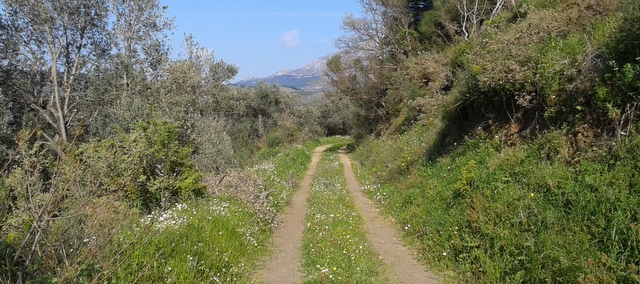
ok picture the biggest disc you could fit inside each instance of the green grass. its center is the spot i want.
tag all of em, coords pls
(201, 241)
(498, 214)
(336, 142)
(212, 240)
(334, 245)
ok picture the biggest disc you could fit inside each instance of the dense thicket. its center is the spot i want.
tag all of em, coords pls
(533, 65)
(98, 122)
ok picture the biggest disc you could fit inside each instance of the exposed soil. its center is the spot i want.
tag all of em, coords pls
(285, 264)
(383, 238)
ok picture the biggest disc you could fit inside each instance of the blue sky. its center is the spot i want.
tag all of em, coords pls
(261, 37)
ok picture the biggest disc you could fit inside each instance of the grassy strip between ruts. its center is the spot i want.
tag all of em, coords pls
(334, 246)
(218, 239)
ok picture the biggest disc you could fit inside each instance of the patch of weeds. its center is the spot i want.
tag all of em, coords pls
(201, 241)
(334, 243)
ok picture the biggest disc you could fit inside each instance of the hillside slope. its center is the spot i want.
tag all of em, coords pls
(511, 155)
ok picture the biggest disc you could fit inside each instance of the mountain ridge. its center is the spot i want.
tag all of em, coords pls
(309, 77)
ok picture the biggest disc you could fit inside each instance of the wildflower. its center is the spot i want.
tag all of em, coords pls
(532, 194)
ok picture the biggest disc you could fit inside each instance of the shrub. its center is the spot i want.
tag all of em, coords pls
(149, 165)
(57, 220)
(213, 147)
(334, 116)
(540, 69)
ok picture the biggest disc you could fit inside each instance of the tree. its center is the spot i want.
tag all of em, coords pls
(375, 46)
(59, 42)
(138, 59)
(10, 113)
(139, 28)
(474, 12)
(381, 31)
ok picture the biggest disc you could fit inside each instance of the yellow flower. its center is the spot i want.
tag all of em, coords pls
(532, 194)
(334, 268)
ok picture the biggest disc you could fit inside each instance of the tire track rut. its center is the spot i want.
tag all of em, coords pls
(285, 264)
(383, 238)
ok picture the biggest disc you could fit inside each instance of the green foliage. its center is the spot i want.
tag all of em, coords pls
(150, 165)
(213, 147)
(7, 125)
(616, 93)
(118, 148)
(277, 138)
(56, 218)
(394, 154)
(435, 29)
(364, 83)
(334, 141)
(335, 116)
(252, 116)
(547, 72)
(221, 238)
(498, 214)
(87, 230)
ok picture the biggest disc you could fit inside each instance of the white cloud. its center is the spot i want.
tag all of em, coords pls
(290, 39)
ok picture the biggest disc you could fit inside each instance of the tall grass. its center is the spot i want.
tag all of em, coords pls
(201, 241)
(502, 214)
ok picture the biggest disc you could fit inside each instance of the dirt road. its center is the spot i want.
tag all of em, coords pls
(285, 264)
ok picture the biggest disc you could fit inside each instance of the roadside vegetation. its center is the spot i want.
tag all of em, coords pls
(104, 139)
(220, 238)
(497, 213)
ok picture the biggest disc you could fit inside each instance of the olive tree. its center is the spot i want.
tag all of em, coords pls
(59, 43)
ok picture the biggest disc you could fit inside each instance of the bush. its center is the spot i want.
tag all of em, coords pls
(541, 70)
(213, 147)
(57, 219)
(150, 165)
(334, 116)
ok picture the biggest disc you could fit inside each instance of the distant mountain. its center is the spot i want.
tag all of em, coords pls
(309, 77)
